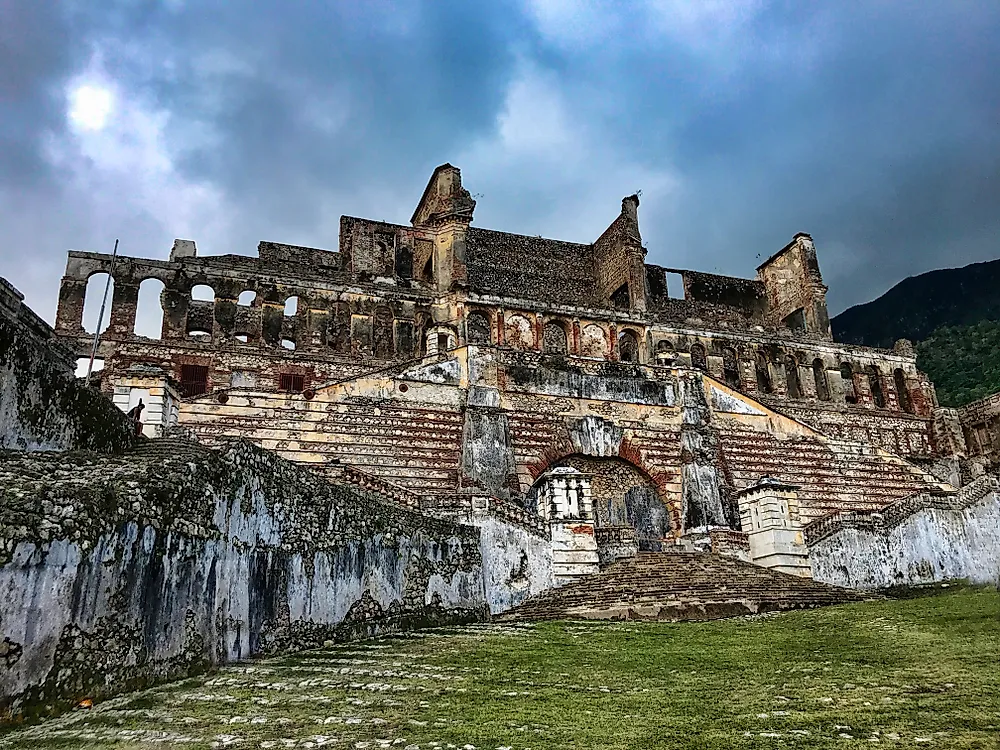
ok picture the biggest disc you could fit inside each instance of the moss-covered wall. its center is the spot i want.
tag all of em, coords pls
(119, 571)
(42, 405)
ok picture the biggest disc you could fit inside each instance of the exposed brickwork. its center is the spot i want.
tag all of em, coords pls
(565, 332)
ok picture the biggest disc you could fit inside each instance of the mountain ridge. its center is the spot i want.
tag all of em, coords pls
(917, 305)
(952, 315)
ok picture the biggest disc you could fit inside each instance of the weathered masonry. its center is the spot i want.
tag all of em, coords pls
(436, 423)
(461, 367)
(295, 318)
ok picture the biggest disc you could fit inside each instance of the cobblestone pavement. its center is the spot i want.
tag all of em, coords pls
(912, 673)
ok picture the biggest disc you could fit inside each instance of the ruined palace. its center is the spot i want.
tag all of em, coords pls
(453, 361)
(435, 421)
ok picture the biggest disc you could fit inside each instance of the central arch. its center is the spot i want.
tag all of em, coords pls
(623, 497)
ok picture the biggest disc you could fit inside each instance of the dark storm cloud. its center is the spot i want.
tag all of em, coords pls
(36, 50)
(875, 131)
(874, 128)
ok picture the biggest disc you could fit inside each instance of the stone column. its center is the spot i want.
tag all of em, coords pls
(565, 499)
(769, 514)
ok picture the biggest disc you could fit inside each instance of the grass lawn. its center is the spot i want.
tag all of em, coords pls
(921, 672)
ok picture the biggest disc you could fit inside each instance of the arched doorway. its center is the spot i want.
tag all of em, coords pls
(622, 497)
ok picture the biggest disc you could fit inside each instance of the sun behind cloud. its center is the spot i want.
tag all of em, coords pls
(90, 106)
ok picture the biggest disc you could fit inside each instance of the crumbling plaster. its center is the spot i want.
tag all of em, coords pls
(117, 572)
(921, 539)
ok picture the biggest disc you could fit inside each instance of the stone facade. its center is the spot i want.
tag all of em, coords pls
(436, 422)
(295, 318)
(454, 363)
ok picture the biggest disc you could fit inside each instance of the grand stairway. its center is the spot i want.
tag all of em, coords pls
(679, 586)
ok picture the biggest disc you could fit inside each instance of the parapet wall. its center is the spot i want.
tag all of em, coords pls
(919, 539)
(120, 571)
(42, 405)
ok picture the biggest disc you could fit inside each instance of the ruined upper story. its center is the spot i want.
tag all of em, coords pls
(392, 292)
(441, 253)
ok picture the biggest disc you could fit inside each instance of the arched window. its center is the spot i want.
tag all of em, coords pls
(149, 309)
(628, 347)
(664, 352)
(902, 391)
(620, 298)
(246, 298)
(875, 385)
(731, 367)
(477, 326)
(792, 377)
(554, 338)
(763, 371)
(203, 293)
(699, 360)
(847, 377)
(96, 286)
(819, 375)
(291, 306)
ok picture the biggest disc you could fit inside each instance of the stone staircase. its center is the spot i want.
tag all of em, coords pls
(679, 586)
(170, 450)
(832, 475)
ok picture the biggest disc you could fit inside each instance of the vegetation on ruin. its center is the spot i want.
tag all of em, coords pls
(963, 362)
(905, 673)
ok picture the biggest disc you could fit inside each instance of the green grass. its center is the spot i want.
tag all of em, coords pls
(919, 672)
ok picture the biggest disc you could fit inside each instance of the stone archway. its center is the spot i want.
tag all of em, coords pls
(623, 498)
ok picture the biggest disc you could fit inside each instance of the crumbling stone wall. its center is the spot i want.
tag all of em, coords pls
(392, 293)
(119, 571)
(795, 290)
(980, 423)
(920, 539)
(42, 405)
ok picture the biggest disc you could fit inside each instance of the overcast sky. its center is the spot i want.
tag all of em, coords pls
(873, 126)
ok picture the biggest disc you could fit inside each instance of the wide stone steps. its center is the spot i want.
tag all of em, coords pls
(833, 475)
(679, 586)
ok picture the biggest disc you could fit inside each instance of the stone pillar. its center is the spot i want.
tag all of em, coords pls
(124, 301)
(769, 514)
(69, 314)
(564, 497)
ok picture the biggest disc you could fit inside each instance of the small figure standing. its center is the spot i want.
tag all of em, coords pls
(135, 414)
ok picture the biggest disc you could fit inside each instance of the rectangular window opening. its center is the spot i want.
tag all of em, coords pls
(290, 383)
(675, 285)
(194, 380)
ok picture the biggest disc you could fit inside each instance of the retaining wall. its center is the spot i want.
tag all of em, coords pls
(42, 405)
(120, 571)
(920, 539)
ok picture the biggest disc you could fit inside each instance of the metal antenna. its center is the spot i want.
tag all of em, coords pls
(100, 317)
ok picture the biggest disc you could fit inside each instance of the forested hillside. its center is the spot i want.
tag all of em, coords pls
(953, 318)
(962, 361)
(919, 305)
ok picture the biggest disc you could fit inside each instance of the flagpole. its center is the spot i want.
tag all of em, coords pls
(100, 317)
